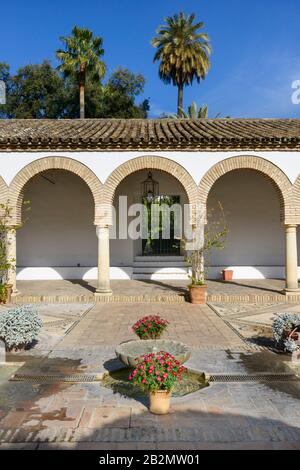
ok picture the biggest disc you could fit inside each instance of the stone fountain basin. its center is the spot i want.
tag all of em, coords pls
(130, 351)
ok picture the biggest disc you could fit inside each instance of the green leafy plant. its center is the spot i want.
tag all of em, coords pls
(215, 236)
(157, 372)
(195, 112)
(283, 326)
(20, 326)
(150, 327)
(3, 293)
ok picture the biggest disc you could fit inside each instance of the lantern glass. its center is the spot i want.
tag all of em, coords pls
(150, 188)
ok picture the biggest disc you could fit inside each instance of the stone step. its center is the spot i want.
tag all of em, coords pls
(146, 259)
(159, 264)
(160, 270)
(161, 277)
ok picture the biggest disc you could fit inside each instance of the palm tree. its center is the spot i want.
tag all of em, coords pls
(183, 52)
(81, 55)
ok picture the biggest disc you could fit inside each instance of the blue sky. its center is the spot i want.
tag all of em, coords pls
(256, 47)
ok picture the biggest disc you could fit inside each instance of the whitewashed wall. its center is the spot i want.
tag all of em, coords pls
(103, 163)
(59, 234)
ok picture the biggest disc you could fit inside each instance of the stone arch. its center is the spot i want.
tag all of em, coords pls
(145, 163)
(271, 172)
(16, 188)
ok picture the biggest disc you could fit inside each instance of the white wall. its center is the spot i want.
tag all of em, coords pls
(104, 163)
(59, 230)
(256, 236)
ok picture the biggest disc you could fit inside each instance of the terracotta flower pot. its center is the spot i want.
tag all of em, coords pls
(159, 402)
(198, 294)
(227, 275)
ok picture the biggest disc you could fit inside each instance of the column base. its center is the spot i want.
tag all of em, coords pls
(290, 292)
(103, 293)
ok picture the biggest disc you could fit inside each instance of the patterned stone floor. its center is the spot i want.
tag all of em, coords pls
(80, 339)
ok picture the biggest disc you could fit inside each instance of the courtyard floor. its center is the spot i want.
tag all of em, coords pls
(155, 291)
(253, 402)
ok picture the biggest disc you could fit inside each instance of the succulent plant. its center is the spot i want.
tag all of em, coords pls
(282, 324)
(20, 326)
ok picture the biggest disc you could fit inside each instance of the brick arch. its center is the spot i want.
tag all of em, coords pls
(16, 188)
(271, 172)
(147, 163)
(3, 191)
(296, 199)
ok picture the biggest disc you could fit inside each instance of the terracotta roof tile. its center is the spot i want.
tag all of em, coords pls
(135, 134)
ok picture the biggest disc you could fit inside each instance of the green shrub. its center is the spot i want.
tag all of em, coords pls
(20, 326)
(3, 293)
(282, 325)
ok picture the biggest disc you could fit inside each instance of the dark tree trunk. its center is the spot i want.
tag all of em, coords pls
(180, 101)
(81, 91)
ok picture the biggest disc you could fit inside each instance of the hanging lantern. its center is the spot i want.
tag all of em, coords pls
(150, 188)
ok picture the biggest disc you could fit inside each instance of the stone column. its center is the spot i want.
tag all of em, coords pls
(291, 265)
(11, 247)
(103, 287)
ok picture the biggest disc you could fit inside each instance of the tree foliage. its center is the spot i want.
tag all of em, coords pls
(81, 57)
(35, 91)
(183, 52)
(40, 91)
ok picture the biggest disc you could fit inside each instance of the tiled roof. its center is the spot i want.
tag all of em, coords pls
(135, 134)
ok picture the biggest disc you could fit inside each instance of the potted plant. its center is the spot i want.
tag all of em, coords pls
(19, 327)
(150, 327)
(286, 329)
(157, 374)
(214, 237)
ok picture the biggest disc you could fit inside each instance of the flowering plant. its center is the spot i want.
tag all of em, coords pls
(150, 327)
(158, 371)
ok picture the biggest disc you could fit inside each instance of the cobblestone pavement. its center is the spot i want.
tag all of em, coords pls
(258, 414)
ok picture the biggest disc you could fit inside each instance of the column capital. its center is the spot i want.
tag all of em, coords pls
(290, 227)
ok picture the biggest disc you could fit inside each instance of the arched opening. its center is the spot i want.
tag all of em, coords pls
(58, 238)
(255, 247)
(162, 257)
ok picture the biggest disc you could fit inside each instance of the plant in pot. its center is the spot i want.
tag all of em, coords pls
(214, 237)
(150, 327)
(286, 331)
(19, 327)
(157, 374)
